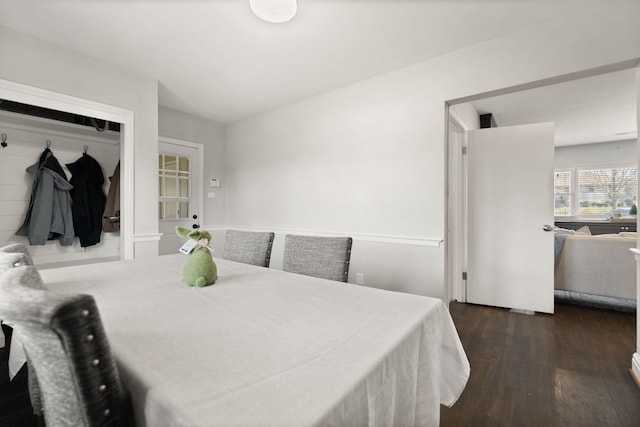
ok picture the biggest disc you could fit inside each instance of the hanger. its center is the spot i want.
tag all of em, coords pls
(4, 140)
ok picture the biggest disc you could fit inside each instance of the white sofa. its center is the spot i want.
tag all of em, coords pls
(598, 265)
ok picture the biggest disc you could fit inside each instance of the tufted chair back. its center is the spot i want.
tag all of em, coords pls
(248, 247)
(66, 346)
(16, 255)
(318, 256)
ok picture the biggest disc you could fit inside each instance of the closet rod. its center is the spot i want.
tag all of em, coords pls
(62, 130)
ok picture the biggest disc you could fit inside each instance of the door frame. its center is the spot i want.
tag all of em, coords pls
(455, 188)
(456, 216)
(199, 149)
(61, 102)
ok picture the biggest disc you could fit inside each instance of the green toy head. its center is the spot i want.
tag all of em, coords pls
(196, 234)
(200, 269)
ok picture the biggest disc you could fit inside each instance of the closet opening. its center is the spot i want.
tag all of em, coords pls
(80, 145)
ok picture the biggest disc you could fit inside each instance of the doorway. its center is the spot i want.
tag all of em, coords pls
(56, 101)
(456, 264)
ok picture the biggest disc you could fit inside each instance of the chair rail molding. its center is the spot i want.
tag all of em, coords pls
(147, 237)
(434, 242)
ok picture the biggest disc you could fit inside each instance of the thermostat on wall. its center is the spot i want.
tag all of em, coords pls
(214, 182)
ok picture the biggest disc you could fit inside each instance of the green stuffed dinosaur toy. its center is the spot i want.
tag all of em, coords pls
(200, 269)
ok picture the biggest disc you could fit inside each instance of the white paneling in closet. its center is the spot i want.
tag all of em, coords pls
(27, 137)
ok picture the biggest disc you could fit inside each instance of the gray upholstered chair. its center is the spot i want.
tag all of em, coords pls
(325, 257)
(11, 256)
(66, 347)
(248, 247)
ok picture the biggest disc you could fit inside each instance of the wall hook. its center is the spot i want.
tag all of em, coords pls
(48, 143)
(86, 148)
(4, 140)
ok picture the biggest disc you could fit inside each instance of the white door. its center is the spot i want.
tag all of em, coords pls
(179, 193)
(509, 205)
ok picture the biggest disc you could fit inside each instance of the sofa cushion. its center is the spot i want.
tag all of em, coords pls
(584, 230)
(598, 265)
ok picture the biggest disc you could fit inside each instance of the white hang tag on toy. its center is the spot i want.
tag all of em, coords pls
(188, 246)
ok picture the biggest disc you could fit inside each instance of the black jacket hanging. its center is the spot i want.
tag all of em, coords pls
(88, 199)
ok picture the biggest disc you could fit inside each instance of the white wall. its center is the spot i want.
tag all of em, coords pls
(368, 159)
(46, 66)
(588, 155)
(466, 115)
(365, 160)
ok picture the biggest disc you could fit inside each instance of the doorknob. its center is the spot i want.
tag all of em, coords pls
(547, 227)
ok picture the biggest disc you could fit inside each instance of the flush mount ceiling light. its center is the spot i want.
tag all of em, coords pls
(274, 11)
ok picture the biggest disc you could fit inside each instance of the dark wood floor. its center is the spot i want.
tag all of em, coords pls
(566, 369)
(569, 369)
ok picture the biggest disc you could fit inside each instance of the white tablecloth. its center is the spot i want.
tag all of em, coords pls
(263, 347)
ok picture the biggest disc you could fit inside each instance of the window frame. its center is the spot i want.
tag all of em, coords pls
(162, 185)
(575, 193)
(572, 192)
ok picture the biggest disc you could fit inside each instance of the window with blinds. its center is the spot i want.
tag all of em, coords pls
(602, 191)
(595, 192)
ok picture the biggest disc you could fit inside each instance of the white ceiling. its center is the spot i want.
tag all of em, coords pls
(215, 59)
(588, 110)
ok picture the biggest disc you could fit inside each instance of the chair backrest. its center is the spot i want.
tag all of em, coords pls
(248, 247)
(318, 256)
(12, 256)
(66, 346)
(15, 255)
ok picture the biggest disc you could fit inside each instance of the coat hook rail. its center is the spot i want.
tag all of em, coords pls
(4, 140)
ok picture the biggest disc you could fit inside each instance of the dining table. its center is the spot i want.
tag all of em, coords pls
(264, 347)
